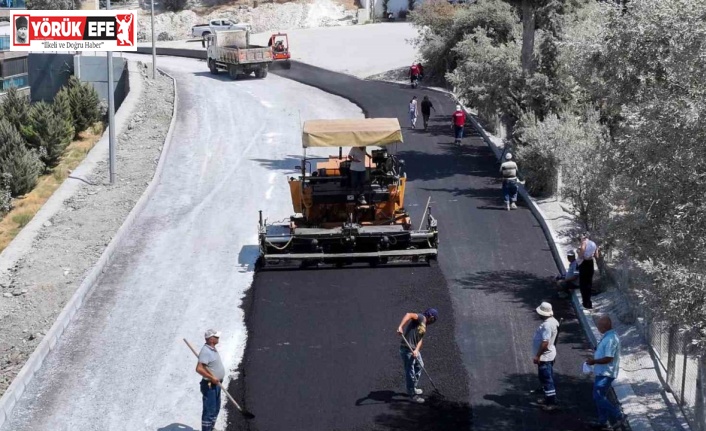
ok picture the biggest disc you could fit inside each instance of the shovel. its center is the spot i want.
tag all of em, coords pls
(246, 414)
(436, 390)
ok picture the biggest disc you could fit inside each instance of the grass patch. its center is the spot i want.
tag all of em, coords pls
(27, 206)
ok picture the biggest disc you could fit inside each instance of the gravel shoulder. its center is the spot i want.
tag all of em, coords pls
(69, 245)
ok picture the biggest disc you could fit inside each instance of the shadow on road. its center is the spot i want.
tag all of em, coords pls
(513, 410)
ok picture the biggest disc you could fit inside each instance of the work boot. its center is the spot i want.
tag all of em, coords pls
(418, 391)
(507, 204)
(417, 399)
(362, 201)
(513, 206)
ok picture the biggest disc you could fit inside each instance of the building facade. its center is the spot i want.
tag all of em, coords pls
(14, 69)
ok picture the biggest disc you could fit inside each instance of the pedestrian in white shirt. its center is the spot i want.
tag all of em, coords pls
(413, 111)
(588, 252)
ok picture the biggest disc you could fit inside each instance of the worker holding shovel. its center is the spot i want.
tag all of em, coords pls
(412, 329)
(211, 369)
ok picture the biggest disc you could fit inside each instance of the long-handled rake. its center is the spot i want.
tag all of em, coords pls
(246, 414)
(436, 390)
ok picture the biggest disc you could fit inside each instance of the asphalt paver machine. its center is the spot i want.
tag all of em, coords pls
(330, 225)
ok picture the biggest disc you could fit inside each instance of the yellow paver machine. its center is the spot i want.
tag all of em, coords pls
(337, 223)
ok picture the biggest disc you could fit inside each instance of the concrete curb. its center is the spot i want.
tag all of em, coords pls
(50, 340)
(623, 391)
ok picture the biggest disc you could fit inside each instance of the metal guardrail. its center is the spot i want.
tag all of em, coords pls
(674, 350)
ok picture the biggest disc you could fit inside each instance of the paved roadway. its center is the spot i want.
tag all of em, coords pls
(121, 365)
(322, 352)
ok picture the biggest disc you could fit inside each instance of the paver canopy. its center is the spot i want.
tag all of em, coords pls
(351, 132)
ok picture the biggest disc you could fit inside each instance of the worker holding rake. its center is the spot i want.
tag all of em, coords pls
(211, 369)
(412, 329)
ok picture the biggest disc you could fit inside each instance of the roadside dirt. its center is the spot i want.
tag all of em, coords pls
(70, 244)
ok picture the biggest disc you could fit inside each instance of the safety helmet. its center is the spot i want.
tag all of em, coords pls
(508, 156)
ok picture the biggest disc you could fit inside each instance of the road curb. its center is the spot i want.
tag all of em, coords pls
(50, 340)
(623, 391)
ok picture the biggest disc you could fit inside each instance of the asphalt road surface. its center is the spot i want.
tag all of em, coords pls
(121, 365)
(322, 353)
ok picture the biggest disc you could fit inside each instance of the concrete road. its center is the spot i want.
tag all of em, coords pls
(122, 364)
(322, 352)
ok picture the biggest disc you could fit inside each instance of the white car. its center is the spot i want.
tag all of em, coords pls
(203, 30)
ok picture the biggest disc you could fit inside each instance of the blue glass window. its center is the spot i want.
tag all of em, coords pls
(14, 4)
(4, 43)
(16, 81)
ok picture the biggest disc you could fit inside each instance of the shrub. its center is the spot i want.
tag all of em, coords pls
(15, 109)
(84, 104)
(385, 5)
(410, 6)
(174, 5)
(402, 14)
(22, 164)
(5, 194)
(62, 105)
(50, 133)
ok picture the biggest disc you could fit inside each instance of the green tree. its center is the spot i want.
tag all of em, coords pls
(50, 133)
(85, 103)
(15, 109)
(21, 164)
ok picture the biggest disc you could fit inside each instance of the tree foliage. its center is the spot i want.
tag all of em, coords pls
(84, 103)
(15, 109)
(21, 165)
(49, 133)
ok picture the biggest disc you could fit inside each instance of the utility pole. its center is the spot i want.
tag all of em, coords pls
(111, 114)
(154, 48)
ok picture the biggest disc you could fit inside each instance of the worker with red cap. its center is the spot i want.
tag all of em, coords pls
(412, 328)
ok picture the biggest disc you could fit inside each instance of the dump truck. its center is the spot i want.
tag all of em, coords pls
(330, 225)
(231, 51)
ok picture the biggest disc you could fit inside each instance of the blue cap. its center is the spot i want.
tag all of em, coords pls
(431, 312)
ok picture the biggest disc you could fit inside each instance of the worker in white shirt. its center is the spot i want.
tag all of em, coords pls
(357, 157)
(587, 253)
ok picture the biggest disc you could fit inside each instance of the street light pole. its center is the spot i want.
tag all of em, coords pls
(154, 48)
(111, 114)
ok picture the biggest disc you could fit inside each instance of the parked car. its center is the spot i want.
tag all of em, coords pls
(203, 30)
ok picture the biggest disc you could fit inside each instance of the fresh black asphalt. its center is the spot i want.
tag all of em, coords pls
(322, 353)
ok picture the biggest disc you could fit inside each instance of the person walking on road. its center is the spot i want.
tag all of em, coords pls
(412, 328)
(413, 111)
(565, 283)
(414, 75)
(210, 367)
(606, 365)
(544, 351)
(509, 172)
(587, 253)
(427, 106)
(458, 121)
